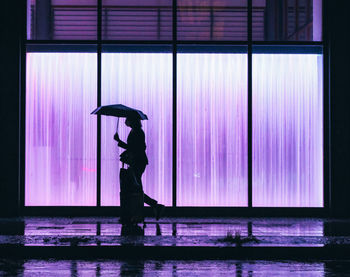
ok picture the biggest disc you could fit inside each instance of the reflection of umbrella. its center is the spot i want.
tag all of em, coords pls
(119, 110)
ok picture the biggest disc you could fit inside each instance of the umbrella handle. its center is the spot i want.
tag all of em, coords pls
(117, 124)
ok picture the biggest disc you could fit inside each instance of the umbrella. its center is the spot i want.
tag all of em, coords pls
(119, 110)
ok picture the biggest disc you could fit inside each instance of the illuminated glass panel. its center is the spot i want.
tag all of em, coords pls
(142, 81)
(212, 130)
(287, 130)
(60, 132)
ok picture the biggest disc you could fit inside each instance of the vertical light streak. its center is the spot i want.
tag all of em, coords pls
(212, 130)
(142, 81)
(60, 132)
(287, 130)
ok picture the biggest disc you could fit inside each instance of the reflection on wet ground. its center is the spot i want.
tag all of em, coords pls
(46, 231)
(172, 268)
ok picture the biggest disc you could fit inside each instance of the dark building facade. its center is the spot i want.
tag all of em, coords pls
(336, 132)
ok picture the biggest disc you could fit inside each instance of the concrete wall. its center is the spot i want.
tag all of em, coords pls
(340, 101)
(10, 31)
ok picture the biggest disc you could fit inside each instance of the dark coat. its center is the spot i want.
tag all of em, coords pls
(136, 147)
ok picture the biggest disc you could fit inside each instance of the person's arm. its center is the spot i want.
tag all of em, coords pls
(121, 143)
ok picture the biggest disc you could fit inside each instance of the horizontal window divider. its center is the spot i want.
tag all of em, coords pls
(138, 42)
(213, 49)
(137, 48)
(178, 211)
(305, 43)
(185, 8)
(288, 49)
(214, 42)
(184, 47)
(65, 41)
(49, 48)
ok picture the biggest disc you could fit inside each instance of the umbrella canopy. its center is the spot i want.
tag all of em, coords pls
(119, 110)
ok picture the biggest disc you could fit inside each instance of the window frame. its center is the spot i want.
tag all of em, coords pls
(36, 45)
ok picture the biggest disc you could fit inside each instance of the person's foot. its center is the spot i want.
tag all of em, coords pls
(158, 210)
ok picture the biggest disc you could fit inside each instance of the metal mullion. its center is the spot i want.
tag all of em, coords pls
(326, 111)
(250, 152)
(174, 149)
(99, 71)
(22, 111)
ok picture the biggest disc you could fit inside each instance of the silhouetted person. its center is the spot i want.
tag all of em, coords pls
(136, 149)
(131, 230)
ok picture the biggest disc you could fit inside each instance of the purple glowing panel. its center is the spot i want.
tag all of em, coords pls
(142, 81)
(212, 130)
(60, 132)
(287, 130)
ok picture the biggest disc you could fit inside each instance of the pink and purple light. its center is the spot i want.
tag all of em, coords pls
(211, 123)
(212, 140)
(142, 81)
(60, 132)
(287, 130)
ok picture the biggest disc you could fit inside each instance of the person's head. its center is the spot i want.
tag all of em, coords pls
(133, 122)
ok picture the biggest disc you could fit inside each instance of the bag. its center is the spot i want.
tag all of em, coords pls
(128, 182)
(126, 157)
(131, 197)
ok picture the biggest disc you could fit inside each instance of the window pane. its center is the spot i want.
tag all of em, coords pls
(212, 130)
(137, 20)
(214, 20)
(287, 20)
(60, 132)
(287, 130)
(62, 19)
(142, 81)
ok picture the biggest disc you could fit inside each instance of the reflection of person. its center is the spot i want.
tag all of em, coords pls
(136, 148)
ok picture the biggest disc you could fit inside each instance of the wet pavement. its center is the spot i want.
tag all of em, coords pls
(176, 237)
(154, 268)
(47, 231)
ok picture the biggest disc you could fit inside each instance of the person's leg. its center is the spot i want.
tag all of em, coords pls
(139, 169)
(149, 201)
(158, 208)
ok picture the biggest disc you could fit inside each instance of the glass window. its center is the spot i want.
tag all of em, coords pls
(142, 81)
(212, 167)
(137, 19)
(62, 19)
(287, 130)
(212, 20)
(60, 132)
(211, 100)
(287, 20)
